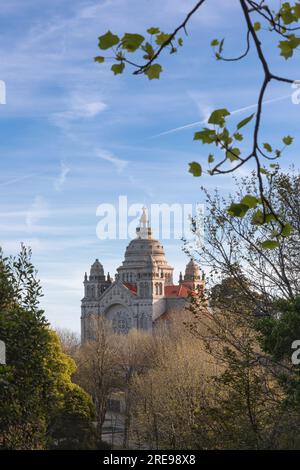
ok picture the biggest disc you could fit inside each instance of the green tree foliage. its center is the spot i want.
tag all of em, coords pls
(35, 382)
(251, 408)
(72, 426)
(278, 333)
(233, 246)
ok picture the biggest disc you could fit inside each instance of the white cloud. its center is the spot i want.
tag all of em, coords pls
(46, 246)
(37, 211)
(119, 164)
(79, 108)
(60, 180)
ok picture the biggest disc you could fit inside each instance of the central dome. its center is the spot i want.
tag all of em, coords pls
(140, 250)
(144, 256)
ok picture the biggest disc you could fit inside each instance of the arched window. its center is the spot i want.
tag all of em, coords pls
(146, 289)
(142, 289)
(160, 288)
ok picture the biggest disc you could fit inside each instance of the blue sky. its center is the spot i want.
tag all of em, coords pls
(72, 136)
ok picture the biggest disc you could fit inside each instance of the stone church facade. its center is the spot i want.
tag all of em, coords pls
(142, 294)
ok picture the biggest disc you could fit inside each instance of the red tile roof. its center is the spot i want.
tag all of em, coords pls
(131, 287)
(170, 291)
(177, 291)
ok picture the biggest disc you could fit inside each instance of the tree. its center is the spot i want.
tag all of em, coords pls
(249, 410)
(253, 320)
(137, 353)
(283, 25)
(98, 368)
(37, 376)
(70, 341)
(72, 426)
(167, 396)
(278, 334)
(235, 247)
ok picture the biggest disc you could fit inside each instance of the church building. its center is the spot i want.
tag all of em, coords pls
(143, 292)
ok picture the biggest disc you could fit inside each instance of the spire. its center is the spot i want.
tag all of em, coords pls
(192, 275)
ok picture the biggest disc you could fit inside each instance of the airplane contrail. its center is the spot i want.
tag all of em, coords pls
(204, 121)
(16, 180)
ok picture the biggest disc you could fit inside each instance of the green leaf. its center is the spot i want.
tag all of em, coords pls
(195, 169)
(238, 136)
(257, 26)
(180, 41)
(287, 47)
(267, 147)
(270, 218)
(245, 121)
(153, 71)
(288, 140)
(250, 201)
(149, 51)
(214, 42)
(297, 11)
(207, 136)
(153, 30)
(225, 137)
(211, 158)
(237, 210)
(162, 38)
(287, 230)
(99, 59)
(118, 68)
(269, 244)
(287, 14)
(257, 218)
(131, 42)
(108, 40)
(218, 116)
(286, 50)
(263, 171)
(274, 165)
(233, 154)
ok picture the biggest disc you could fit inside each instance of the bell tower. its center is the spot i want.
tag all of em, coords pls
(192, 278)
(94, 286)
